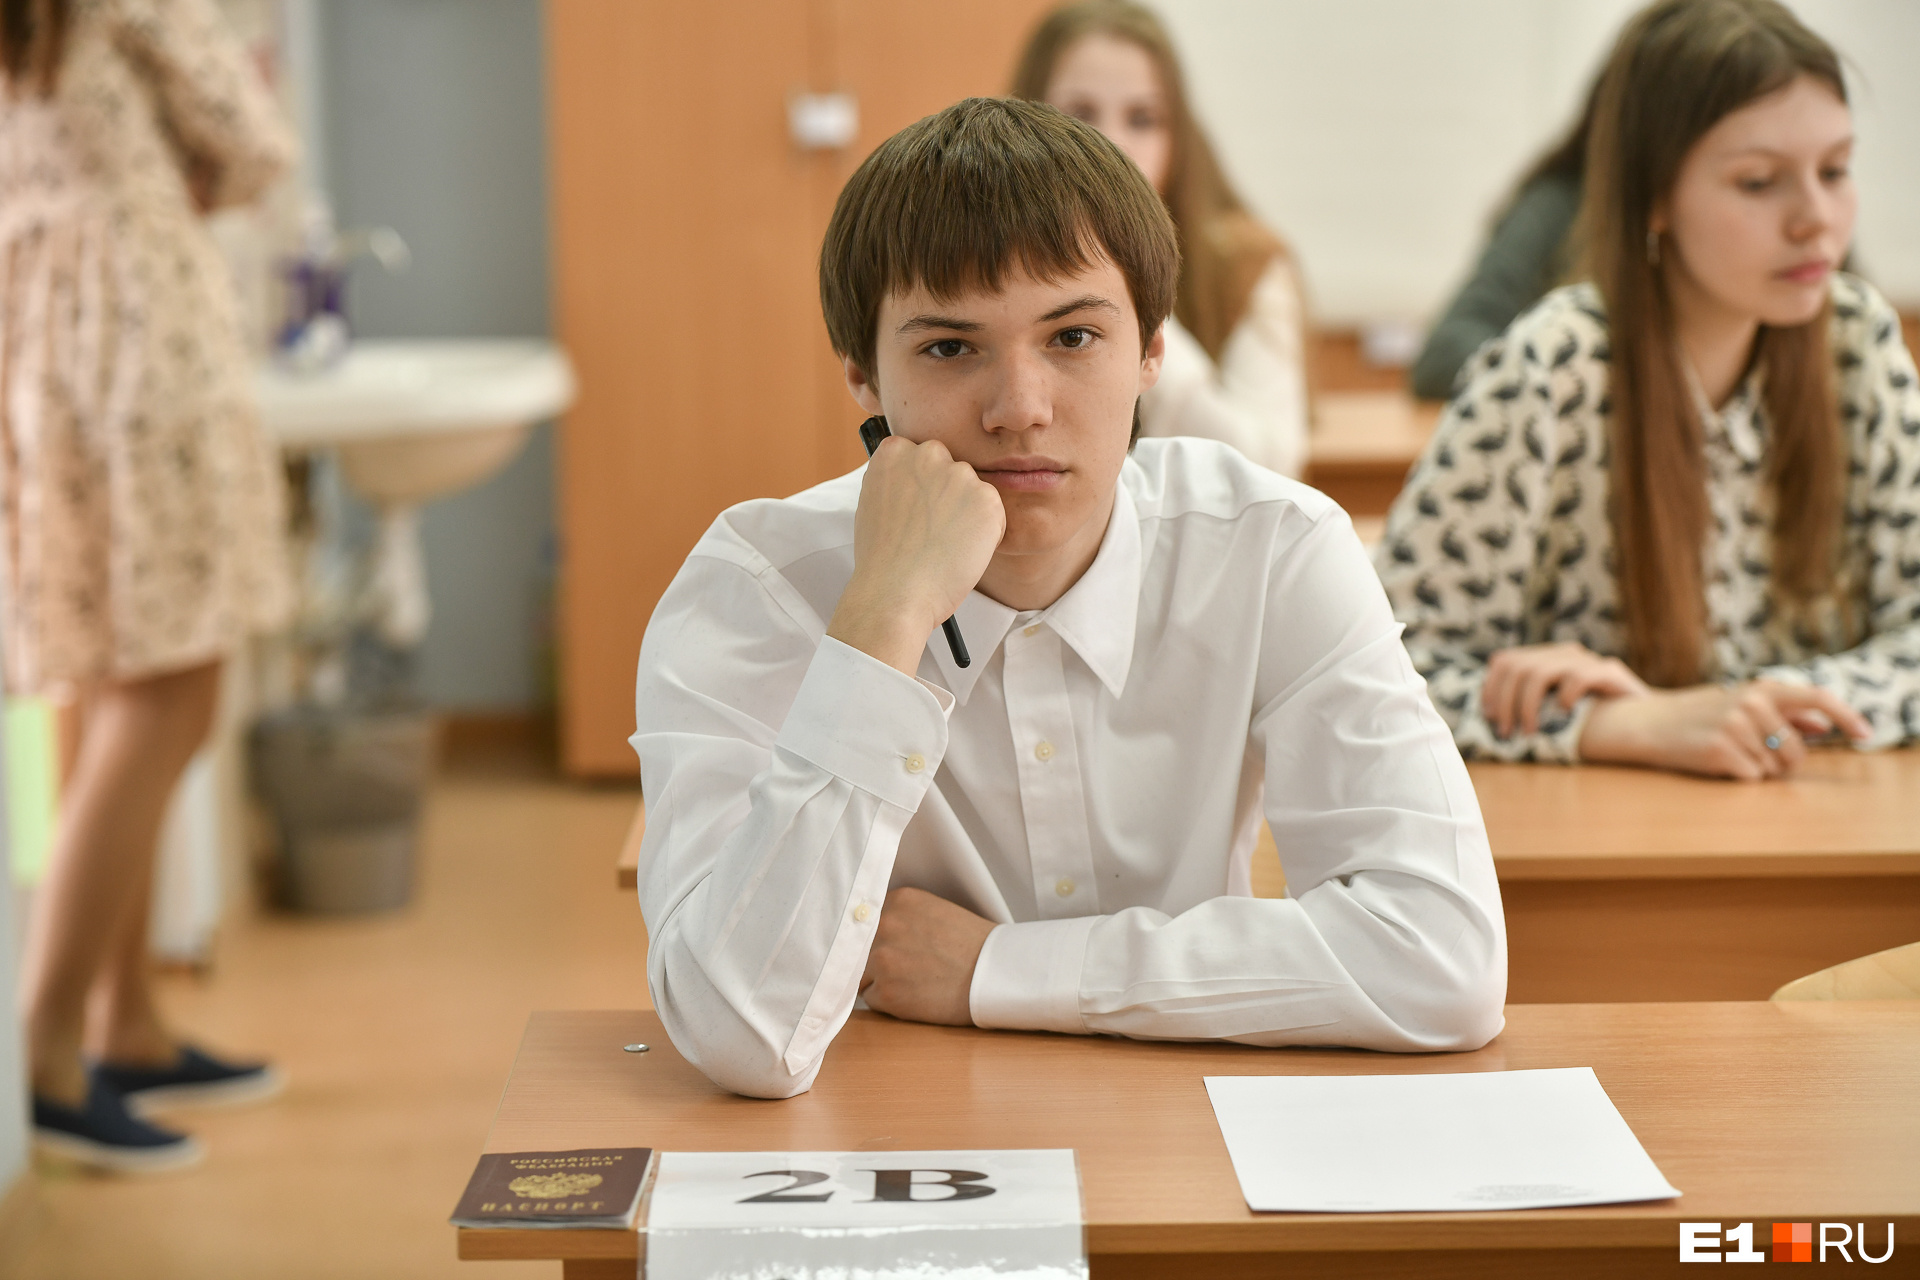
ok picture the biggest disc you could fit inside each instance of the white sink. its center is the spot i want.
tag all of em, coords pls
(415, 420)
(412, 421)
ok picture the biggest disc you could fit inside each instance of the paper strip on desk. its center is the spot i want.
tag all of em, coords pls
(866, 1215)
(1430, 1143)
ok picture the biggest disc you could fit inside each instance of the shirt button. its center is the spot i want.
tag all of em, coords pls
(1043, 752)
(1033, 630)
(916, 762)
(861, 912)
(1064, 887)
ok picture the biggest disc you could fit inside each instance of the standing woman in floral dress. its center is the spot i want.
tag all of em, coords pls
(142, 511)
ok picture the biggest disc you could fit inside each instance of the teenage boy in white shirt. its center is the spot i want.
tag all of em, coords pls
(1165, 639)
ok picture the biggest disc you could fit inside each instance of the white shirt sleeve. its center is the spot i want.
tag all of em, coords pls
(774, 814)
(1255, 399)
(1391, 936)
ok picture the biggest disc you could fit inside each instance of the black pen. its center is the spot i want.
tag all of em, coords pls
(872, 432)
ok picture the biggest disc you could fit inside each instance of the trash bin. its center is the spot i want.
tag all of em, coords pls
(344, 786)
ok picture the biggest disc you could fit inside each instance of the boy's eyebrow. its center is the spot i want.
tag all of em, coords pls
(940, 322)
(1087, 302)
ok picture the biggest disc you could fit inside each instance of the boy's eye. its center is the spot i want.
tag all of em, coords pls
(1754, 185)
(1076, 339)
(948, 348)
(1834, 173)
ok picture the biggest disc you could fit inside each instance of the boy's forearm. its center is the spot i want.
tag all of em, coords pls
(761, 920)
(882, 628)
(1271, 972)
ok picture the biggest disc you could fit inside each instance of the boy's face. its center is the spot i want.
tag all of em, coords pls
(1033, 385)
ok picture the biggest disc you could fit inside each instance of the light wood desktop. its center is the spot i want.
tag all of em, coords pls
(1736, 1103)
(1627, 884)
(1363, 444)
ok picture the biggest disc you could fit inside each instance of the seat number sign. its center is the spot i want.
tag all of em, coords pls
(829, 1215)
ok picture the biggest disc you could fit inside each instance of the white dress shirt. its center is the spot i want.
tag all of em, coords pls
(1094, 782)
(1255, 398)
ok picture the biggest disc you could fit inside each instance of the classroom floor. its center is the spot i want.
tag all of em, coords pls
(396, 1033)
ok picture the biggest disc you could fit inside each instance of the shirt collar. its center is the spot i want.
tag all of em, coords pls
(1096, 616)
(1737, 421)
(1740, 418)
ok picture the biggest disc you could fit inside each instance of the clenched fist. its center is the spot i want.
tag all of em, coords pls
(926, 529)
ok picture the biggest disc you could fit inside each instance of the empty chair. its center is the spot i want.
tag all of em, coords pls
(1893, 974)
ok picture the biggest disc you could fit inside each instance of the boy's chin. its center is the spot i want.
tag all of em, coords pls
(1035, 534)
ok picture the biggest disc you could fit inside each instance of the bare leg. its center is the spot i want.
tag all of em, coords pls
(92, 907)
(123, 1024)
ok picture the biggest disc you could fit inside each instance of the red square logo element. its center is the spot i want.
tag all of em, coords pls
(1793, 1242)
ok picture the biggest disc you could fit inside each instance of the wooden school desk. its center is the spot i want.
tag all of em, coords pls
(1363, 443)
(1755, 1111)
(626, 871)
(1626, 884)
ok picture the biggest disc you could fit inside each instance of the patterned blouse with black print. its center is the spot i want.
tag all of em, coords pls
(1501, 536)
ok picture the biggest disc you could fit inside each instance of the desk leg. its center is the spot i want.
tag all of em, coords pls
(598, 1269)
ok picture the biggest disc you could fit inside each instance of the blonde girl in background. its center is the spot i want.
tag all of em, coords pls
(1672, 517)
(1236, 364)
(141, 504)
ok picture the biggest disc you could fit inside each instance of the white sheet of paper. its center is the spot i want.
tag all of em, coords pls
(877, 1215)
(1430, 1143)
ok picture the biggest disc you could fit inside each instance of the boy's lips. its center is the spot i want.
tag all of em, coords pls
(1023, 475)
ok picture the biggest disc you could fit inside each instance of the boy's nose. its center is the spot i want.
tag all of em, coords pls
(1021, 401)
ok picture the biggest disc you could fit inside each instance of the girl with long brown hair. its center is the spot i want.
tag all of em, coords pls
(1673, 516)
(139, 502)
(1236, 344)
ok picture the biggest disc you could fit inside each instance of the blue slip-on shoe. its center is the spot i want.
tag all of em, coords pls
(103, 1134)
(194, 1079)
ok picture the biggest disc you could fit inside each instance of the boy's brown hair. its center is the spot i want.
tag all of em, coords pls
(954, 201)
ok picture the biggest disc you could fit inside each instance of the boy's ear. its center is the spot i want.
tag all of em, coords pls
(1151, 360)
(865, 391)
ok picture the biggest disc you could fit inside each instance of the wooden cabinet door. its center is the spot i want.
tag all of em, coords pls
(687, 227)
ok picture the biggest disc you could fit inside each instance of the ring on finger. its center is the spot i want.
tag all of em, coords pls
(1773, 742)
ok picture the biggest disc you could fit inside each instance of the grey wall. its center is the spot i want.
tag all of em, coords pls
(435, 124)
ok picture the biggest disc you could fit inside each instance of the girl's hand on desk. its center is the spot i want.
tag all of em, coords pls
(921, 965)
(1519, 680)
(1721, 732)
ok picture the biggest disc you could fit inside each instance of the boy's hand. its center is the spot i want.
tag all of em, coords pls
(925, 532)
(921, 965)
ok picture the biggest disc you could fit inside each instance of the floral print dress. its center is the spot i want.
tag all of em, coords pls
(142, 502)
(1502, 538)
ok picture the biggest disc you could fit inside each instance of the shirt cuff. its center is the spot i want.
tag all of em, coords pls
(1567, 737)
(1028, 976)
(867, 724)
